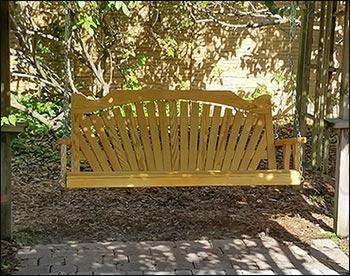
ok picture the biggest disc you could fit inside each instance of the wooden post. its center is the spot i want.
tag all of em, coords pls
(316, 128)
(341, 222)
(341, 212)
(5, 110)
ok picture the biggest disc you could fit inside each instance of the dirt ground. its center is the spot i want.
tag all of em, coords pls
(44, 212)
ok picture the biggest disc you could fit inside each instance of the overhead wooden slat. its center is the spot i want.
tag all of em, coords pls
(260, 153)
(96, 121)
(220, 152)
(242, 141)
(88, 153)
(203, 137)
(157, 151)
(145, 136)
(164, 135)
(118, 148)
(231, 144)
(135, 138)
(184, 135)
(194, 127)
(85, 124)
(174, 136)
(253, 141)
(129, 151)
(213, 136)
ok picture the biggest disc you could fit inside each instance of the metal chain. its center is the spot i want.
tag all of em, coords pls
(65, 105)
(66, 127)
(293, 82)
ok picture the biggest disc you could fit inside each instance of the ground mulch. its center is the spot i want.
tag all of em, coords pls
(44, 212)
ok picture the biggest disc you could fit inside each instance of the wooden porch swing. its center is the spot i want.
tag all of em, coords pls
(164, 138)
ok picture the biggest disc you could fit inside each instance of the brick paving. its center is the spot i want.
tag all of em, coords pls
(264, 256)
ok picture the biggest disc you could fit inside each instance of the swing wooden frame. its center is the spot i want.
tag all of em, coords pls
(164, 138)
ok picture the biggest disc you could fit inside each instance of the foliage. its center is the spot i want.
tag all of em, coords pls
(9, 120)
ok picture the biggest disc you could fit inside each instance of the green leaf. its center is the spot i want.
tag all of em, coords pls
(132, 4)
(12, 119)
(125, 10)
(94, 4)
(118, 4)
(4, 120)
(81, 4)
(91, 31)
(86, 25)
(203, 4)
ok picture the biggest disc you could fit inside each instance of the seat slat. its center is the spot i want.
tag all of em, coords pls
(203, 137)
(184, 135)
(135, 138)
(112, 132)
(242, 141)
(145, 137)
(254, 139)
(174, 136)
(85, 124)
(231, 144)
(183, 179)
(157, 151)
(110, 152)
(194, 124)
(213, 137)
(164, 135)
(260, 153)
(129, 151)
(220, 152)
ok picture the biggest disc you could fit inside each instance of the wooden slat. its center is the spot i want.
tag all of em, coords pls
(164, 135)
(260, 153)
(290, 141)
(129, 151)
(296, 161)
(231, 144)
(145, 137)
(286, 156)
(253, 141)
(157, 151)
(118, 148)
(213, 138)
(203, 137)
(184, 135)
(246, 128)
(75, 162)
(96, 121)
(101, 157)
(174, 136)
(135, 138)
(270, 143)
(173, 179)
(81, 104)
(89, 155)
(193, 150)
(220, 152)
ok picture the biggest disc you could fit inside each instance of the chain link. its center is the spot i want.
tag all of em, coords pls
(66, 126)
(65, 105)
(293, 82)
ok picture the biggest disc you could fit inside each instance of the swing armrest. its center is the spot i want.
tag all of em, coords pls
(290, 141)
(291, 149)
(65, 141)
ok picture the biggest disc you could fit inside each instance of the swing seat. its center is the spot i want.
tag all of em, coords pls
(163, 138)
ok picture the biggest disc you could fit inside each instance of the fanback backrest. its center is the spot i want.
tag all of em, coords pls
(153, 130)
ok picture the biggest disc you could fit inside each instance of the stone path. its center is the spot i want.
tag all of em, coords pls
(264, 256)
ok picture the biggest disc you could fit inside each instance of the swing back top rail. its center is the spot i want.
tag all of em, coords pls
(158, 138)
